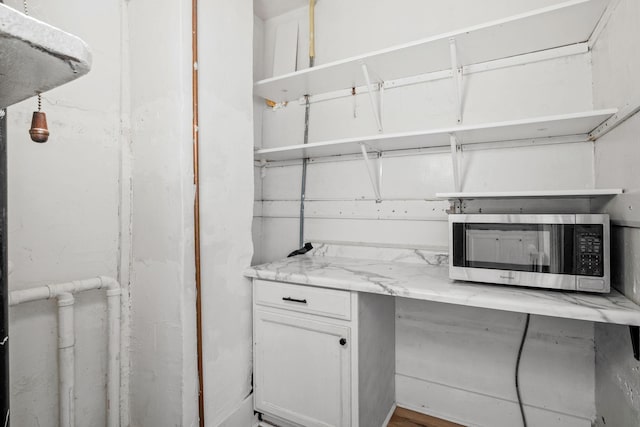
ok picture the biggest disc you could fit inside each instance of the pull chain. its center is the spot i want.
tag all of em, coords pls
(39, 131)
(26, 12)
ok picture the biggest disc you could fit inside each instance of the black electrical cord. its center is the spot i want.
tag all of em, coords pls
(303, 250)
(524, 337)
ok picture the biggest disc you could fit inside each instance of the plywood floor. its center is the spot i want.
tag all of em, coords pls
(406, 418)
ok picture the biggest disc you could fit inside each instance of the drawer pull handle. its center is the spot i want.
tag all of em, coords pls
(343, 341)
(301, 301)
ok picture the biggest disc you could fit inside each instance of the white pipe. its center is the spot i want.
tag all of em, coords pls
(28, 295)
(113, 370)
(66, 339)
(51, 291)
(66, 360)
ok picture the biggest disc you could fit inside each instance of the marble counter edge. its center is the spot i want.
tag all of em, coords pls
(612, 308)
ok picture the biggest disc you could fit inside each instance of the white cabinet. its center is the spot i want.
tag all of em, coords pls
(322, 357)
(302, 369)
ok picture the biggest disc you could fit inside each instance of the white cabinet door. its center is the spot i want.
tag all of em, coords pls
(302, 369)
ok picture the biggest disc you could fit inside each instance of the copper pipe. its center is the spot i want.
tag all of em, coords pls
(196, 204)
(312, 23)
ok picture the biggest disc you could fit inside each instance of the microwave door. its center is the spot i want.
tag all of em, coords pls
(533, 248)
(506, 247)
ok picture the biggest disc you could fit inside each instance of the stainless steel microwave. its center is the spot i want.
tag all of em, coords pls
(568, 252)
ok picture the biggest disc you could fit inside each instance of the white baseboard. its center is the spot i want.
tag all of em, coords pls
(384, 424)
(242, 416)
(389, 415)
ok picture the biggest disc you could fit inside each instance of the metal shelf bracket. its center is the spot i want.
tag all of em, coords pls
(263, 168)
(381, 104)
(456, 75)
(635, 341)
(614, 121)
(376, 179)
(455, 160)
(377, 108)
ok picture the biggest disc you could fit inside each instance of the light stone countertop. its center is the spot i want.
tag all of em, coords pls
(423, 275)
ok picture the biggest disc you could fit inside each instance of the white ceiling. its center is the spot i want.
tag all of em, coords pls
(266, 9)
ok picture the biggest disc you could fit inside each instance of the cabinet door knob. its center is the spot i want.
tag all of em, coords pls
(343, 341)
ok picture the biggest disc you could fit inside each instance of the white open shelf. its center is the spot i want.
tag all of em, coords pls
(555, 26)
(36, 57)
(540, 127)
(602, 192)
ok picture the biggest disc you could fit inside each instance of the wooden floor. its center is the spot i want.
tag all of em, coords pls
(406, 418)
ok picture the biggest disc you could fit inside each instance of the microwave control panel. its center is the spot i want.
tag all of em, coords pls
(589, 250)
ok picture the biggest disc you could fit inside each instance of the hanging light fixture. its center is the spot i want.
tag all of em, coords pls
(39, 131)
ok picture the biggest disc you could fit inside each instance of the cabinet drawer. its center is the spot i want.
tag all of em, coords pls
(305, 299)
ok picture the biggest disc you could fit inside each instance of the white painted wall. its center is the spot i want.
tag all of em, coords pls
(63, 216)
(119, 160)
(163, 366)
(340, 206)
(615, 65)
(71, 202)
(258, 105)
(617, 372)
(459, 363)
(226, 174)
(615, 62)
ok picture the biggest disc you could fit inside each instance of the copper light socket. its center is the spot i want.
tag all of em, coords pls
(39, 130)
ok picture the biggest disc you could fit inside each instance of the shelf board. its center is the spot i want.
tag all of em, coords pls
(36, 57)
(532, 128)
(555, 26)
(604, 192)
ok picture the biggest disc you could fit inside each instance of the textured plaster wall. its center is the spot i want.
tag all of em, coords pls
(616, 59)
(112, 193)
(617, 372)
(226, 140)
(163, 373)
(64, 216)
